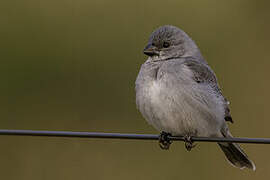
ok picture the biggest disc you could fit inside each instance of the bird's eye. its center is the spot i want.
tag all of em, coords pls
(166, 44)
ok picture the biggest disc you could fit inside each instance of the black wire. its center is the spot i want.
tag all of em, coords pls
(127, 136)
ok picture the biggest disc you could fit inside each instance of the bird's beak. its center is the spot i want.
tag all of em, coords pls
(150, 50)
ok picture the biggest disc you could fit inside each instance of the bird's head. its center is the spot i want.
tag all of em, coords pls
(168, 42)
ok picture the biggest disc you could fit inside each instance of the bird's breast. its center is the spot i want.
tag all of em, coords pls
(176, 105)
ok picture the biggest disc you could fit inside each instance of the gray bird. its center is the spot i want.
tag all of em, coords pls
(178, 93)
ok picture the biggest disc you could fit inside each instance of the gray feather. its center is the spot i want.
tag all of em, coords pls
(177, 92)
(204, 74)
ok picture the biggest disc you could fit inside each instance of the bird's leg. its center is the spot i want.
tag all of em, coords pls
(188, 142)
(164, 142)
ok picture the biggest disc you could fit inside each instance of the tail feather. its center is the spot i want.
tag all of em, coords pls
(234, 153)
(236, 156)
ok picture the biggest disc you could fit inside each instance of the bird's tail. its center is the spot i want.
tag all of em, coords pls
(235, 155)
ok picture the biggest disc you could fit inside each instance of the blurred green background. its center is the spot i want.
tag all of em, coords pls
(71, 65)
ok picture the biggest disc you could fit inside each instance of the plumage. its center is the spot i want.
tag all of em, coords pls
(204, 74)
(177, 92)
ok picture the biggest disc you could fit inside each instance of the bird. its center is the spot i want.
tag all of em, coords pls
(177, 93)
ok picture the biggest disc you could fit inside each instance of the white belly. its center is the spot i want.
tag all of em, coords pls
(180, 110)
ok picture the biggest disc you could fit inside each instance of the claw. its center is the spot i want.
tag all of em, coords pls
(164, 142)
(188, 142)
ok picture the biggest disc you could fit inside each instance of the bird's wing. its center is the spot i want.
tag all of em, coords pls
(204, 74)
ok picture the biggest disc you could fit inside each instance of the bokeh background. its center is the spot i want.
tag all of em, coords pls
(71, 65)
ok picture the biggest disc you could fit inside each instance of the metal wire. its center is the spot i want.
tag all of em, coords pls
(70, 134)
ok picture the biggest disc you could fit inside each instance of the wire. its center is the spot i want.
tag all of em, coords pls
(71, 134)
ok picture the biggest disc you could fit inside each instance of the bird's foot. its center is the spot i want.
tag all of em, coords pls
(164, 142)
(188, 142)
